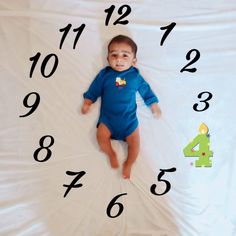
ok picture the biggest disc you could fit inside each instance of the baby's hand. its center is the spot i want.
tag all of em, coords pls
(86, 105)
(85, 108)
(157, 114)
(156, 111)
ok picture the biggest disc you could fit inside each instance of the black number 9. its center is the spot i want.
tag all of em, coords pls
(33, 106)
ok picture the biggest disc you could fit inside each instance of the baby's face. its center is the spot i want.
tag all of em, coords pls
(120, 56)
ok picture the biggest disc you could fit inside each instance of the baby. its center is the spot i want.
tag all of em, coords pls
(117, 85)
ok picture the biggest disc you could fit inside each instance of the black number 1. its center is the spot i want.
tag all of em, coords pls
(168, 29)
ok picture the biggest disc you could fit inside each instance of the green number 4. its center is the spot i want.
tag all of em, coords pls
(203, 152)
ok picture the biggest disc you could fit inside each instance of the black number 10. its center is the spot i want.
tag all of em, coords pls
(44, 64)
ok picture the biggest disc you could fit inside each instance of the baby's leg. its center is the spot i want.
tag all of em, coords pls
(133, 141)
(104, 141)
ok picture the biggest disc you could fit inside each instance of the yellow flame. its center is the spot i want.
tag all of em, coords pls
(203, 129)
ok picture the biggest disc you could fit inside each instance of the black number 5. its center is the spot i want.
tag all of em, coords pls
(168, 185)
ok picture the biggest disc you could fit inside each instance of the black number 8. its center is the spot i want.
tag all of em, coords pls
(41, 143)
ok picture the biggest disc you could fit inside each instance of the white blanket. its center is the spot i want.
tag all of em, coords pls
(34, 195)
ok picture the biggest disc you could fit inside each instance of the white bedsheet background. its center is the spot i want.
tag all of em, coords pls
(201, 201)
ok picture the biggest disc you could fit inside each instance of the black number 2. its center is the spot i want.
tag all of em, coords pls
(188, 57)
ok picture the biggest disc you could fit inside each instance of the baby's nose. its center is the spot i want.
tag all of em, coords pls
(119, 58)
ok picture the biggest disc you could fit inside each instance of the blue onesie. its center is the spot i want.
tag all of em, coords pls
(118, 99)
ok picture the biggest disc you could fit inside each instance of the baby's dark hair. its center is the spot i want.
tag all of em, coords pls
(124, 39)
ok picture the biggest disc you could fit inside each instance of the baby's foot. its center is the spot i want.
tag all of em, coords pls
(114, 161)
(126, 170)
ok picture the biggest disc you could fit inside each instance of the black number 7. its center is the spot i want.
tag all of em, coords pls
(168, 185)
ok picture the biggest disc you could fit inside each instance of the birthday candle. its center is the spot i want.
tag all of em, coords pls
(203, 152)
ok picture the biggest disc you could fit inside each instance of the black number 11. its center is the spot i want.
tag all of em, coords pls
(66, 30)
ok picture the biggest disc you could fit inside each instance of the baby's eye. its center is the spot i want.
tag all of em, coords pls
(125, 55)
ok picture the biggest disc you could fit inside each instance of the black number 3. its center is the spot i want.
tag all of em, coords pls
(195, 106)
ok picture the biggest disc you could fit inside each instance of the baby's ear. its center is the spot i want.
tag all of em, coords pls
(134, 61)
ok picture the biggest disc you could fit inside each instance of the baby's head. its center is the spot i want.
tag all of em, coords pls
(121, 53)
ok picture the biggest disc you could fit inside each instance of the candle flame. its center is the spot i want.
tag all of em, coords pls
(203, 129)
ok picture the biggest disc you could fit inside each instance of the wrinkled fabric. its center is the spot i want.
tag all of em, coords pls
(42, 153)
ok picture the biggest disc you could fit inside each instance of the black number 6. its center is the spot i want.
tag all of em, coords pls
(112, 203)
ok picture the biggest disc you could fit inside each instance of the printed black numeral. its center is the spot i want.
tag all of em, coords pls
(33, 106)
(195, 106)
(113, 203)
(41, 143)
(188, 57)
(110, 10)
(168, 185)
(66, 30)
(74, 181)
(44, 64)
(168, 29)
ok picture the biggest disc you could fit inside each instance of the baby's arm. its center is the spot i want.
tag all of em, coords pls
(94, 91)
(149, 98)
(156, 111)
(86, 105)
